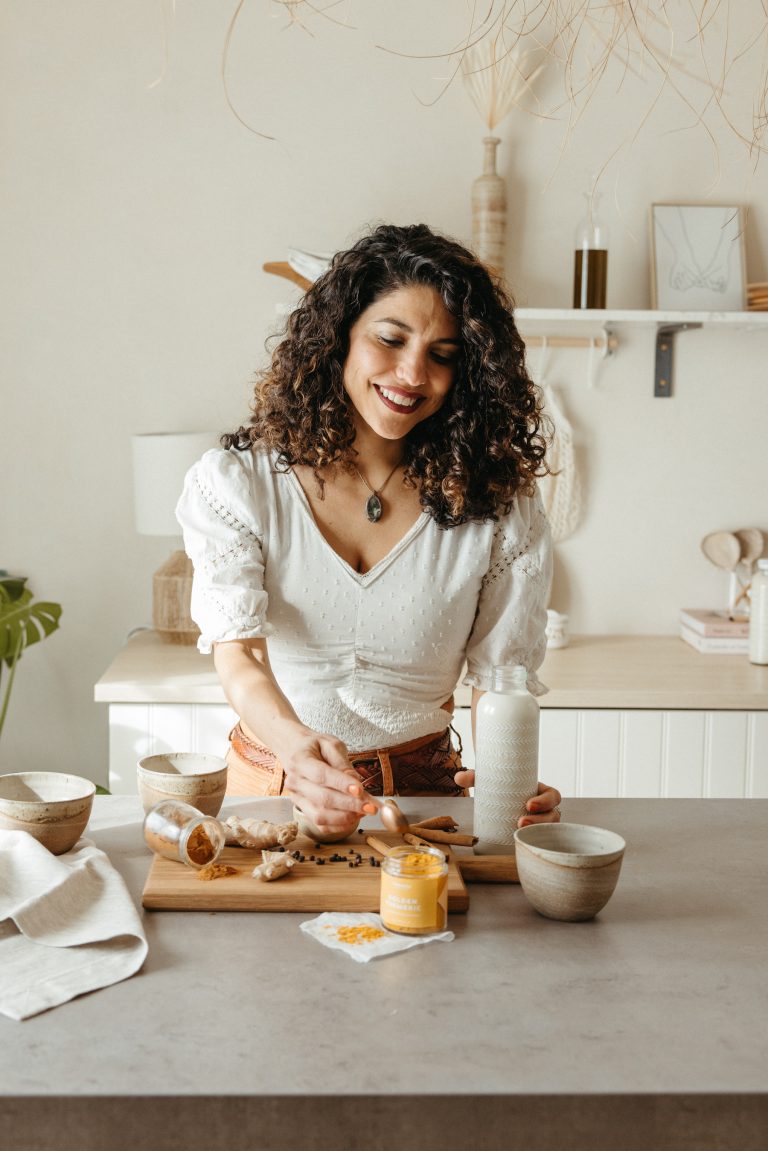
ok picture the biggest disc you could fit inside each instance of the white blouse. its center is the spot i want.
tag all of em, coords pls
(368, 657)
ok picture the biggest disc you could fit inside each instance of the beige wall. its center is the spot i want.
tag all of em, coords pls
(135, 219)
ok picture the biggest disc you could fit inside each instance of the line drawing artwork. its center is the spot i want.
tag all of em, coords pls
(698, 259)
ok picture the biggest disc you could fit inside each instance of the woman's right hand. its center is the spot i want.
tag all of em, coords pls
(320, 780)
(318, 775)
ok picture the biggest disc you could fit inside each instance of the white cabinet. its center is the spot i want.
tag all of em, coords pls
(648, 754)
(638, 716)
(139, 729)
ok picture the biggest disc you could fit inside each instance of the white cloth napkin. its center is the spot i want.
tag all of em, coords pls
(67, 925)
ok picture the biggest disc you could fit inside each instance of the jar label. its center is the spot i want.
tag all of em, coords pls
(414, 905)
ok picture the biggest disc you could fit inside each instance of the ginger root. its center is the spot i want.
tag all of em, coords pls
(274, 865)
(259, 832)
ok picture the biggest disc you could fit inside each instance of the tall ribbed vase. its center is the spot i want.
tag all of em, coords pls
(489, 210)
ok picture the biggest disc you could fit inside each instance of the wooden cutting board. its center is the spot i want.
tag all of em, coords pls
(310, 886)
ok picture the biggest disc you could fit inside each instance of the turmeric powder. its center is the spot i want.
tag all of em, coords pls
(360, 933)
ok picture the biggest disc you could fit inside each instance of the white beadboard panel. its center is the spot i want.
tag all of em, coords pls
(757, 755)
(171, 727)
(641, 735)
(725, 754)
(558, 748)
(212, 725)
(129, 740)
(682, 766)
(597, 772)
(606, 752)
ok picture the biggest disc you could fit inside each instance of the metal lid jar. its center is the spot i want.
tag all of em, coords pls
(414, 890)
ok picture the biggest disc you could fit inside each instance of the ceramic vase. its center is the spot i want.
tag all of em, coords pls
(489, 210)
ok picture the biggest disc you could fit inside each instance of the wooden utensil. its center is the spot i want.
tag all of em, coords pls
(752, 543)
(723, 549)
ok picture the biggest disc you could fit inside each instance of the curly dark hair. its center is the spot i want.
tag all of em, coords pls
(484, 445)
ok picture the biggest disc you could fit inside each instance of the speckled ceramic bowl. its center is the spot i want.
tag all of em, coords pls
(568, 870)
(306, 827)
(196, 779)
(51, 806)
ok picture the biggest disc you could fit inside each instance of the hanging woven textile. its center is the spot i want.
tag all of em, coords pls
(561, 491)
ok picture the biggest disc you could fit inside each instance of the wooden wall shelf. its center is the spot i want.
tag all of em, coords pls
(599, 329)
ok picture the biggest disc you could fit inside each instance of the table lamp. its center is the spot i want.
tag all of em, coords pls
(160, 462)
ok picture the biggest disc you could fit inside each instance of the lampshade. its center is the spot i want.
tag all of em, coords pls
(160, 462)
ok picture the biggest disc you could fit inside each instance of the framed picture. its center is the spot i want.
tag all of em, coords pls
(698, 258)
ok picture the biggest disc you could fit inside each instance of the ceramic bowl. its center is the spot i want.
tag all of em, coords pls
(568, 870)
(51, 806)
(308, 828)
(199, 780)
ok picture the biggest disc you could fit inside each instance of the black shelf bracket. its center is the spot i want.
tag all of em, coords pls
(665, 346)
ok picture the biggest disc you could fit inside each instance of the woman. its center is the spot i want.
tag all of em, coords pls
(375, 525)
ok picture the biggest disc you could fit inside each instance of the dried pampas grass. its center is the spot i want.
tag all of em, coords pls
(496, 77)
(692, 51)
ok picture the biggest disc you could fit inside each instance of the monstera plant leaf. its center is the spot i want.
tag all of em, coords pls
(23, 622)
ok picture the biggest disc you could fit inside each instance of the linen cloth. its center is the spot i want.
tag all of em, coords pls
(369, 656)
(67, 925)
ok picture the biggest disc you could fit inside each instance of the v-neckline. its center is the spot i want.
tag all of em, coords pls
(359, 577)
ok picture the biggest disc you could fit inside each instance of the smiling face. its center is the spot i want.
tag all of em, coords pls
(401, 362)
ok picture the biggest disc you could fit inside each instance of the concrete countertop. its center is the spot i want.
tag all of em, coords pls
(646, 1027)
(660, 672)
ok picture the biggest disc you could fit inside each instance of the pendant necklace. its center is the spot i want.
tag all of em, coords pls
(373, 505)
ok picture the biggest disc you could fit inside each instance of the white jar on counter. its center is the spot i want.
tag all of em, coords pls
(557, 629)
(758, 616)
(506, 759)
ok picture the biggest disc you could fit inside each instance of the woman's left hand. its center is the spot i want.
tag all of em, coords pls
(540, 808)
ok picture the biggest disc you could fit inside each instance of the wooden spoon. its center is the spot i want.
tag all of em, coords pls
(752, 542)
(723, 549)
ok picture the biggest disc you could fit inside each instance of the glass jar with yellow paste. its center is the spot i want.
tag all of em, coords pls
(414, 890)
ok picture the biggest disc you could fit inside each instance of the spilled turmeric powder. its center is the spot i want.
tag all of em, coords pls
(359, 933)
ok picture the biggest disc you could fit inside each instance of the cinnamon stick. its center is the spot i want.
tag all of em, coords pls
(378, 845)
(416, 840)
(439, 822)
(434, 835)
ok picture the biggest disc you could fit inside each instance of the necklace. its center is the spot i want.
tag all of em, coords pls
(373, 505)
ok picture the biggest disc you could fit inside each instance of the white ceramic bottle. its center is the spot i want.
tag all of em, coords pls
(506, 759)
(758, 616)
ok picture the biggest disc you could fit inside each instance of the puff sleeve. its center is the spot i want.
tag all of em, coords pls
(511, 617)
(225, 541)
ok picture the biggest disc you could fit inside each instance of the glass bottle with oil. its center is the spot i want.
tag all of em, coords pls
(590, 264)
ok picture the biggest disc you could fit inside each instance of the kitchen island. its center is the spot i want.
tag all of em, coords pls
(644, 1028)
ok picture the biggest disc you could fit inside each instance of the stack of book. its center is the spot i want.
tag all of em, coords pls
(714, 632)
(757, 297)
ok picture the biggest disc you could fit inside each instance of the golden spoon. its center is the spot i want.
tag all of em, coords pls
(390, 814)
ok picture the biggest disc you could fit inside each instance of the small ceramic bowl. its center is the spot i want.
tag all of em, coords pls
(306, 827)
(568, 870)
(51, 806)
(199, 780)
